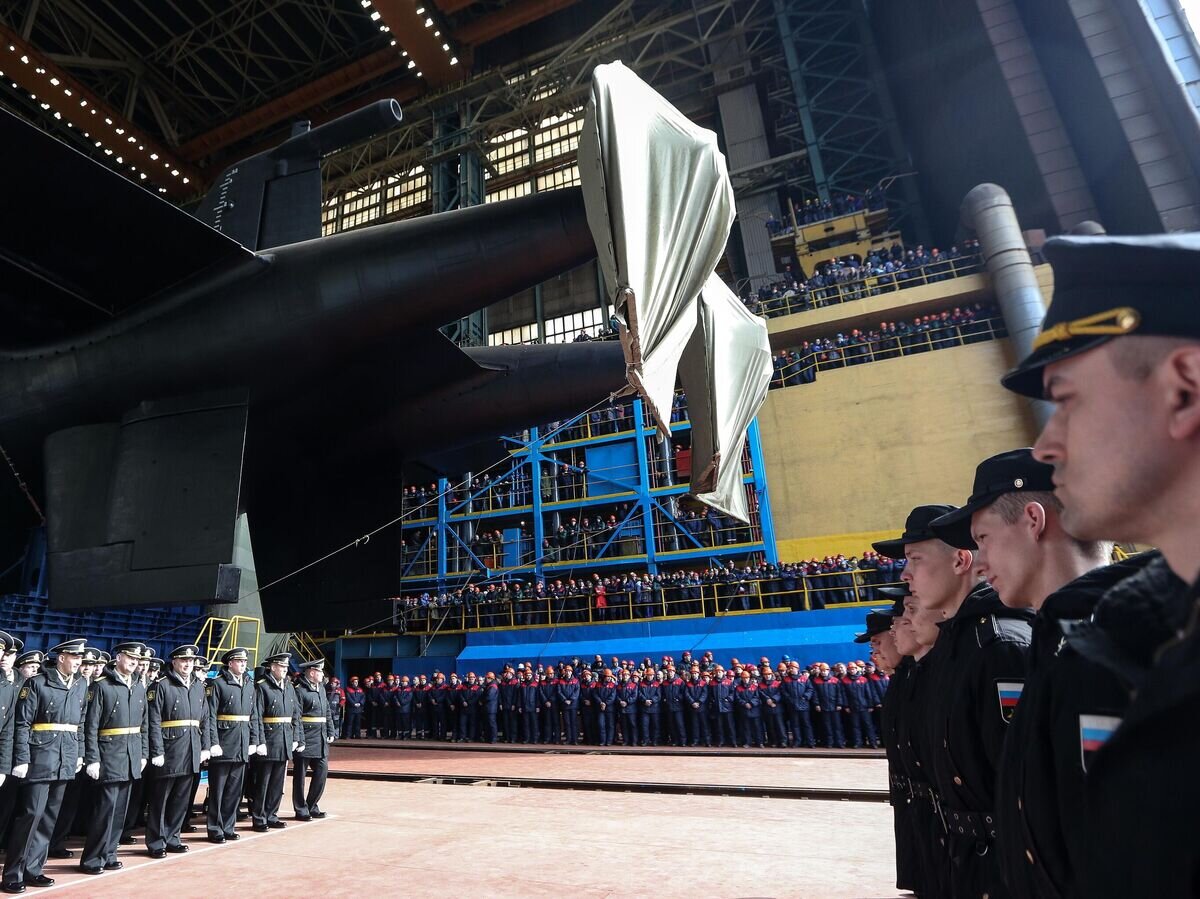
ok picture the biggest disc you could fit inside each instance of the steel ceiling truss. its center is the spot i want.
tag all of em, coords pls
(190, 65)
(828, 97)
(665, 43)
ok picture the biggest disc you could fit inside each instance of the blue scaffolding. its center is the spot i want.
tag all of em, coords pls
(600, 491)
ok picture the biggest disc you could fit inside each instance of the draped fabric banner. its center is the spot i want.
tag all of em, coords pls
(725, 371)
(660, 206)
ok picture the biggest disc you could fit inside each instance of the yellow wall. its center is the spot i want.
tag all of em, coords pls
(849, 455)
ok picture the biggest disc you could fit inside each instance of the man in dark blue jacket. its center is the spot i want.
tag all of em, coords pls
(828, 696)
(746, 701)
(605, 698)
(528, 698)
(568, 700)
(548, 706)
(649, 697)
(722, 692)
(859, 695)
(510, 698)
(628, 705)
(356, 701)
(770, 695)
(402, 701)
(797, 692)
(489, 707)
(695, 697)
(672, 696)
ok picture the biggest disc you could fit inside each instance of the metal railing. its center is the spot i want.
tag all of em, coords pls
(803, 370)
(581, 606)
(219, 635)
(811, 297)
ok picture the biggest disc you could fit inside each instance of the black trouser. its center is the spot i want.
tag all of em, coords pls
(570, 724)
(439, 722)
(678, 729)
(529, 726)
(697, 725)
(404, 727)
(8, 802)
(268, 792)
(549, 724)
(492, 730)
(629, 729)
(225, 781)
(750, 730)
(66, 813)
(725, 730)
(304, 804)
(170, 796)
(29, 840)
(512, 725)
(353, 724)
(467, 729)
(137, 804)
(648, 725)
(104, 825)
(800, 721)
(606, 726)
(773, 719)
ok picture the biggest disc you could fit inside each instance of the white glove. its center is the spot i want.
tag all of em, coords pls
(250, 749)
(78, 765)
(260, 749)
(294, 745)
(331, 739)
(158, 761)
(3, 777)
(20, 771)
(300, 748)
(203, 756)
(216, 752)
(143, 768)
(94, 770)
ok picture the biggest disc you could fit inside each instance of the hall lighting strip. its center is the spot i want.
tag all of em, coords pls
(58, 93)
(377, 17)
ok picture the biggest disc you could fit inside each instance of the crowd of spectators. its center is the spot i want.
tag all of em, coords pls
(515, 602)
(815, 210)
(684, 702)
(850, 277)
(925, 333)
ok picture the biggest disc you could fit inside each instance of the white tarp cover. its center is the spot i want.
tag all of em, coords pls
(725, 371)
(660, 206)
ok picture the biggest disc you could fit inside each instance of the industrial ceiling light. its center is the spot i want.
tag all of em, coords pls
(374, 15)
(453, 60)
(428, 23)
(411, 64)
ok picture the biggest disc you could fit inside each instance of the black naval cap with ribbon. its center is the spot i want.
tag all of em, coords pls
(1012, 472)
(916, 530)
(878, 621)
(1110, 286)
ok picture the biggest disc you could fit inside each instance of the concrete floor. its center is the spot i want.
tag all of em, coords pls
(763, 770)
(419, 840)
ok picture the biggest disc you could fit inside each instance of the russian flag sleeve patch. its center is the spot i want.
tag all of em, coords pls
(1094, 731)
(1008, 693)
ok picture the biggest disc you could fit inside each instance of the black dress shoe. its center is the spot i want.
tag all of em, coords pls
(188, 828)
(157, 853)
(40, 881)
(317, 813)
(277, 825)
(232, 836)
(60, 853)
(86, 869)
(178, 849)
(302, 818)
(114, 866)
(128, 841)
(260, 828)
(13, 888)
(216, 838)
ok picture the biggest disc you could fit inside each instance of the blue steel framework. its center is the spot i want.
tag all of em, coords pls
(652, 523)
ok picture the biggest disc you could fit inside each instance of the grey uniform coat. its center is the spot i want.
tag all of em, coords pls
(233, 720)
(280, 716)
(314, 705)
(47, 699)
(169, 699)
(114, 706)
